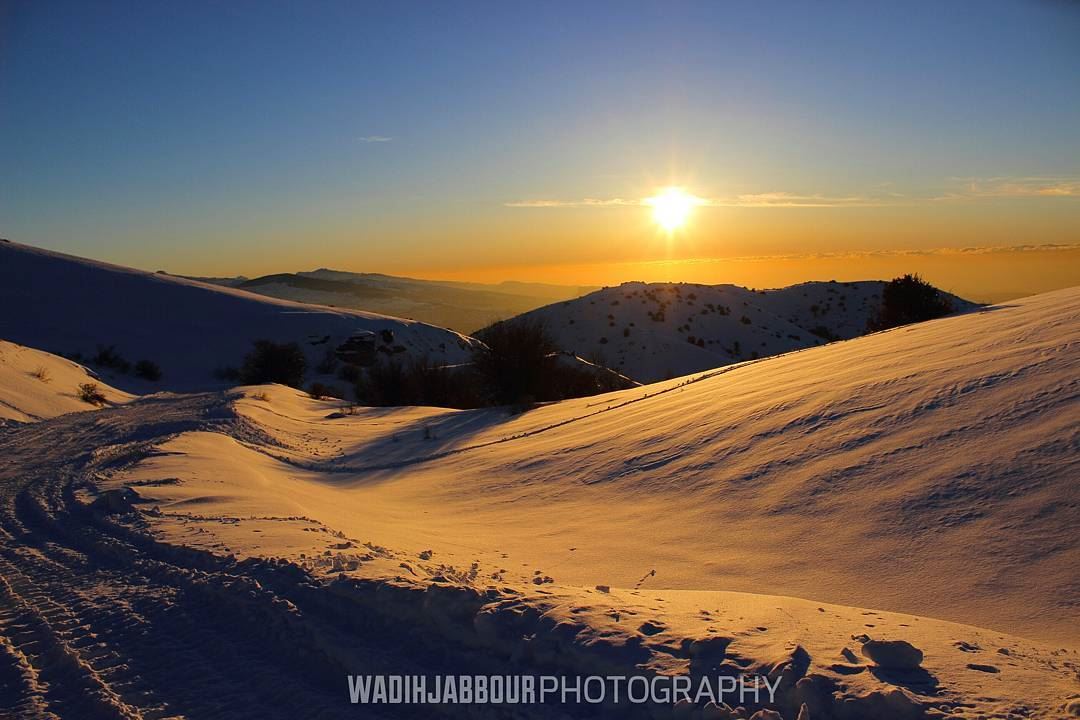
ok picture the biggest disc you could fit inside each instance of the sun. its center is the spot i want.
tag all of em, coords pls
(671, 207)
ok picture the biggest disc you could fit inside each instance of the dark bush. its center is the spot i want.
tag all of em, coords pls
(909, 299)
(572, 379)
(517, 361)
(328, 364)
(271, 362)
(391, 382)
(320, 391)
(429, 384)
(382, 384)
(108, 357)
(349, 373)
(518, 366)
(824, 333)
(147, 370)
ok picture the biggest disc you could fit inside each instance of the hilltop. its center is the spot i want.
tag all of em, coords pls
(654, 331)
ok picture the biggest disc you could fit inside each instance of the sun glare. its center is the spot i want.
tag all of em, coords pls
(671, 207)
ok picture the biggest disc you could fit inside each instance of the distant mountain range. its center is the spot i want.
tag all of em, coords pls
(653, 331)
(461, 306)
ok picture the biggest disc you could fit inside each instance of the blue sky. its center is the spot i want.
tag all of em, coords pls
(239, 137)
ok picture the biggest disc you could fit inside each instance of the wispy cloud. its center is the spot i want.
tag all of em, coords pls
(586, 202)
(375, 139)
(793, 200)
(976, 188)
(959, 189)
(769, 199)
(878, 253)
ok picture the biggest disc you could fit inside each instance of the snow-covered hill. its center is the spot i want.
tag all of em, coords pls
(926, 472)
(35, 385)
(68, 305)
(654, 331)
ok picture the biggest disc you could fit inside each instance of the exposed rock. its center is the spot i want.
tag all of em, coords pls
(116, 502)
(983, 668)
(893, 654)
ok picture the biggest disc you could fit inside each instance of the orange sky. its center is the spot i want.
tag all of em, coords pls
(984, 248)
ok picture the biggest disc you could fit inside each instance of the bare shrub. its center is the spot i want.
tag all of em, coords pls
(90, 393)
(271, 362)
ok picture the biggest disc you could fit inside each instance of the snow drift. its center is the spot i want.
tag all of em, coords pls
(35, 385)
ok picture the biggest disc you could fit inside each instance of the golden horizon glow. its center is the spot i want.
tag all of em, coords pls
(672, 207)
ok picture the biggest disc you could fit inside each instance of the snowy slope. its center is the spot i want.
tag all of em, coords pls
(69, 305)
(873, 472)
(36, 385)
(654, 331)
(928, 472)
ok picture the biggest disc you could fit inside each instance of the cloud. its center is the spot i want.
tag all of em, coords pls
(375, 139)
(769, 199)
(879, 253)
(586, 202)
(792, 200)
(959, 190)
(976, 188)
